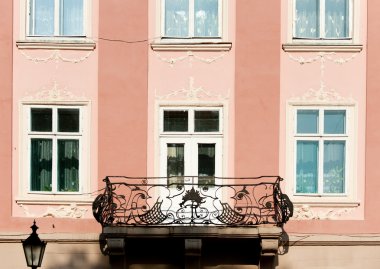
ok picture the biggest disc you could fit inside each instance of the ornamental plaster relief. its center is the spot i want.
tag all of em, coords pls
(53, 94)
(55, 56)
(192, 93)
(71, 211)
(191, 57)
(323, 95)
(306, 212)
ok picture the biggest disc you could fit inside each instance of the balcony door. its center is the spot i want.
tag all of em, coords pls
(188, 160)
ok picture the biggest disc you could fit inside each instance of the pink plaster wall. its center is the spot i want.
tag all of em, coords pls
(6, 109)
(257, 87)
(213, 71)
(123, 69)
(31, 77)
(356, 79)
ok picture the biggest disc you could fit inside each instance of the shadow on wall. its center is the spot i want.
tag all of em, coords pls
(65, 256)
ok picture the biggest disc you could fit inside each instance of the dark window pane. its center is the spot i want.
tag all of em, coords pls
(175, 163)
(68, 165)
(175, 121)
(41, 119)
(206, 121)
(41, 164)
(206, 163)
(68, 120)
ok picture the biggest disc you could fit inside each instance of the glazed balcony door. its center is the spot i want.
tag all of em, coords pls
(191, 160)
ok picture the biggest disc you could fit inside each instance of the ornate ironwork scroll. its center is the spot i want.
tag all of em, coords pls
(225, 202)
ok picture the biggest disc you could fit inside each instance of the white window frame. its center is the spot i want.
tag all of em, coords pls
(349, 195)
(354, 25)
(25, 23)
(222, 24)
(82, 136)
(191, 139)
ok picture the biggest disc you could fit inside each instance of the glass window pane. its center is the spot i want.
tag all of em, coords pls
(68, 165)
(337, 19)
(306, 21)
(175, 163)
(206, 18)
(206, 163)
(206, 121)
(177, 18)
(307, 121)
(335, 122)
(71, 17)
(42, 17)
(175, 121)
(307, 167)
(41, 164)
(68, 120)
(41, 119)
(334, 166)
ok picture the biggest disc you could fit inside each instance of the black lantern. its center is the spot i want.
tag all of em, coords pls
(34, 248)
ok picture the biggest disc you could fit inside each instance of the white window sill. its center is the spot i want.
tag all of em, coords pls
(193, 46)
(51, 199)
(62, 44)
(304, 47)
(327, 203)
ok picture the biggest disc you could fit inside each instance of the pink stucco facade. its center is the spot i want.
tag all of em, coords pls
(124, 74)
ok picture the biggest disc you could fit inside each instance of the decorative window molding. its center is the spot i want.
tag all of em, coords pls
(191, 142)
(311, 25)
(203, 27)
(316, 148)
(54, 163)
(57, 31)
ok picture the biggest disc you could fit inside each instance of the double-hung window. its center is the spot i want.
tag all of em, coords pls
(323, 19)
(48, 18)
(192, 18)
(321, 141)
(54, 148)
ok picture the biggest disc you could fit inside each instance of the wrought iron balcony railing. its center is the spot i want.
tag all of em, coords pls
(192, 201)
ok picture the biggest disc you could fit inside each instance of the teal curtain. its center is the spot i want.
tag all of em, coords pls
(206, 18)
(41, 164)
(307, 167)
(68, 165)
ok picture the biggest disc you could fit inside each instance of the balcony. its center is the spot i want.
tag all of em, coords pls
(188, 212)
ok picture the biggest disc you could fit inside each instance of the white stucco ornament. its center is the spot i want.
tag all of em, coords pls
(306, 212)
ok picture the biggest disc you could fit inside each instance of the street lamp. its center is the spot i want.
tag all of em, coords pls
(34, 248)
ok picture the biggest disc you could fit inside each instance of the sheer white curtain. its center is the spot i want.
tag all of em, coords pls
(177, 18)
(71, 18)
(42, 17)
(206, 19)
(337, 18)
(307, 19)
(334, 166)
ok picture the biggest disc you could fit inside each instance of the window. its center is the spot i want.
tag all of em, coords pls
(191, 143)
(321, 145)
(192, 18)
(323, 19)
(54, 139)
(49, 18)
